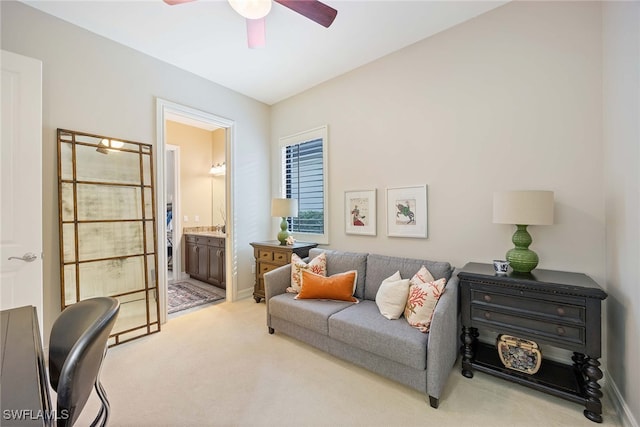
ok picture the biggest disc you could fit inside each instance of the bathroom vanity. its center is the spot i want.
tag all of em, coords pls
(204, 256)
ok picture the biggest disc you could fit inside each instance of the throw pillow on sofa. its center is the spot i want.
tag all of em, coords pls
(338, 287)
(392, 295)
(421, 303)
(318, 265)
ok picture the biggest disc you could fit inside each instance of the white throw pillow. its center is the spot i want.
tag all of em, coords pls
(392, 295)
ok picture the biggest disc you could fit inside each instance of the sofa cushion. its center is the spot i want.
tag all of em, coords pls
(379, 267)
(339, 262)
(308, 313)
(318, 265)
(338, 287)
(362, 326)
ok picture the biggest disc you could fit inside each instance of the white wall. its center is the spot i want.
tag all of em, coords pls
(518, 98)
(621, 77)
(196, 157)
(94, 85)
(509, 100)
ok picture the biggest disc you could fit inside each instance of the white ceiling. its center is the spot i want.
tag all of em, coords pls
(208, 38)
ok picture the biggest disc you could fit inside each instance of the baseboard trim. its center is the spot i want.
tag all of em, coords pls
(245, 293)
(621, 407)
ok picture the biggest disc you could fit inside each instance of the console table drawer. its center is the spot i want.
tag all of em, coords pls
(531, 327)
(265, 268)
(264, 255)
(552, 309)
(281, 257)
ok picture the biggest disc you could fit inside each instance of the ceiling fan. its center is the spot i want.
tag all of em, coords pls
(255, 12)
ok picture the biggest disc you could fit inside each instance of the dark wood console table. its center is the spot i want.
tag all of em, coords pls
(555, 308)
(25, 389)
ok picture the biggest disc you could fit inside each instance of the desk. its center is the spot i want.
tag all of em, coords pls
(24, 395)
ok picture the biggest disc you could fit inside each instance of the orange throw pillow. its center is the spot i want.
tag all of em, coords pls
(337, 287)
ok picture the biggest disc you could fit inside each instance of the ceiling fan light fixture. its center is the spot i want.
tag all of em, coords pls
(251, 9)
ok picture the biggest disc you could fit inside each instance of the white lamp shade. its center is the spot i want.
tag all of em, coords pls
(251, 9)
(284, 207)
(523, 207)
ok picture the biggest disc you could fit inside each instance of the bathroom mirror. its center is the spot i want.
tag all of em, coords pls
(107, 224)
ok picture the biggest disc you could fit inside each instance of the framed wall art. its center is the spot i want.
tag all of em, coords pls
(407, 211)
(360, 212)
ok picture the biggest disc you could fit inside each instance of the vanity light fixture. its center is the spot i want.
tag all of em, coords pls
(218, 169)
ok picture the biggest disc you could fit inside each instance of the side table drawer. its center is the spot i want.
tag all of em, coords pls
(554, 310)
(281, 257)
(530, 327)
(265, 255)
(265, 268)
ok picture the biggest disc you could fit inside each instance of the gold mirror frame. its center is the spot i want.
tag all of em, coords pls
(108, 242)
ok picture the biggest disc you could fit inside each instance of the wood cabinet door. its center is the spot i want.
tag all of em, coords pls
(192, 259)
(222, 270)
(216, 266)
(203, 267)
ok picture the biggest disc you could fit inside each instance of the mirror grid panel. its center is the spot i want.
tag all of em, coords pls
(107, 224)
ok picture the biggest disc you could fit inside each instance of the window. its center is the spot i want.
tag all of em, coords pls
(304, 177)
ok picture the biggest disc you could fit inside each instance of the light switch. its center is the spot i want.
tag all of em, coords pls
(197, 218)
(185, 218)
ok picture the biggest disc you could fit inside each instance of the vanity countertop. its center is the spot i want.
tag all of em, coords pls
(206, 234)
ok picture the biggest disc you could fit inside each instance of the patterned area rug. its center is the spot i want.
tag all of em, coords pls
(184, 295)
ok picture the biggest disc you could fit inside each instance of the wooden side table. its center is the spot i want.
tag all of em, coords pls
(555, 308)
(271, 255)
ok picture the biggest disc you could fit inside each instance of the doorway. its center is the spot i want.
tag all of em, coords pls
(21, 182)
(169, 111)
(173, 224)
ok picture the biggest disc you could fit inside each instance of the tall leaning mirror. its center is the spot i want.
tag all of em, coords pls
(106, 203)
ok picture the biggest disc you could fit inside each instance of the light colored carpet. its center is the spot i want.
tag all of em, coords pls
(218, 366)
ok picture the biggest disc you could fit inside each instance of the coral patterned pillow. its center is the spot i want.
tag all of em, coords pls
(318, 265)
(422, 276)
(423, 297)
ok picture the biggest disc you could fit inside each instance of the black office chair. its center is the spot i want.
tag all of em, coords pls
(77, 346)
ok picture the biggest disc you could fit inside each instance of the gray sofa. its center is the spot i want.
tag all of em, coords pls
(359, 334)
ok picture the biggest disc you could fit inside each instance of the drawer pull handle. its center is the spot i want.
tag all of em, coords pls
(487, 315)
(487, 298)
(560, 330)
(560, 311)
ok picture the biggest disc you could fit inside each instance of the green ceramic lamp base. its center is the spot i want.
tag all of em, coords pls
(284, 233)
(521, 258)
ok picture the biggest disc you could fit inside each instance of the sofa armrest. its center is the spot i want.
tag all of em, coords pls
(276, 282)
(442, 348)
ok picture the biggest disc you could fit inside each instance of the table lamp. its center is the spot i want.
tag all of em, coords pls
(284, 208)
(523, 208)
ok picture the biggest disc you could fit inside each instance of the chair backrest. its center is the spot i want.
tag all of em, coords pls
(76, 348)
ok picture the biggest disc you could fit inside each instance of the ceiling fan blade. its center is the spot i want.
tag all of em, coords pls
(312, 9)
(174, 2)
(256, 33)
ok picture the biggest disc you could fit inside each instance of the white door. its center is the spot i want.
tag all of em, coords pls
(21, 183)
